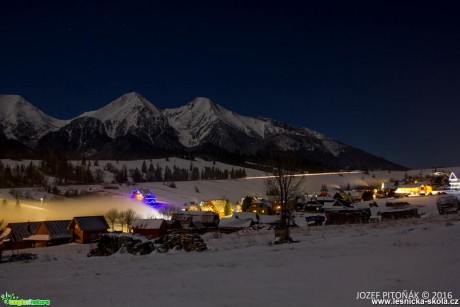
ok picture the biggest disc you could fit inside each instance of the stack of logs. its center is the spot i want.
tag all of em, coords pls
(186, 242)
(109, 244)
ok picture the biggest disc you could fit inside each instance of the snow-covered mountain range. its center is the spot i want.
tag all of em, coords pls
(132, 127)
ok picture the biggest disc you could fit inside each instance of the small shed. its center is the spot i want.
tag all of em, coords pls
(235, 223)
(207, 218)
(152, 228)
(51, 233)
(246, 215)
(86, 229)
(19, 231)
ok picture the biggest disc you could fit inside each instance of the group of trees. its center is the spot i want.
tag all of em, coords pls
(159, 174)
(122, 218)
(54, 166)
(20, 175)
(65, 172)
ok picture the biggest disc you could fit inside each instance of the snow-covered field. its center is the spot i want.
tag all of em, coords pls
(327, 267)
(53, 207)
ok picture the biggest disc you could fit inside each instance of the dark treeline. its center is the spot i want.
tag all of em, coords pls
(55, 169)
(159, 174)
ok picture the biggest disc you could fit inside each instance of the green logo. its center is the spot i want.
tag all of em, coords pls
(12, 300)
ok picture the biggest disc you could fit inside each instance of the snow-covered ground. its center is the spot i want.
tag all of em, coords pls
(326, 267)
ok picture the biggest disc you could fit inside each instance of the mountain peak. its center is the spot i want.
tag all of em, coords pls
(13, 104)
(126, 113)
(203, 104)
(132, 99)
(124, 106)
(23, 121)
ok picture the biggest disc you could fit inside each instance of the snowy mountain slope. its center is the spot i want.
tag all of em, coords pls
(203, 122)
(23, 122)
(84, 135)
(131, 127)
(197, 122)
(133, 114)
(127, 114)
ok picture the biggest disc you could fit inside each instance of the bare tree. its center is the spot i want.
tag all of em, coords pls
(121, 219)
(112, 217)
(283, 186)
(129, 216)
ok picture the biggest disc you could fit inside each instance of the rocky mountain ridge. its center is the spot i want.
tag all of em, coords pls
(131, 127)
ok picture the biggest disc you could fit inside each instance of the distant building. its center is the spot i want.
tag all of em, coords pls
(233, 223)
(86, 229)
(151, 228)
(214, 205)
(414, 189)
(186, 218)
(261, 207)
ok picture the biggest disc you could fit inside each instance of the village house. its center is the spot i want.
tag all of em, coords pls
(414, 189)
(151, 228)
(220, 206)
(261, 207)
(19, 231)
(233, 223)
(190, 218)
(85, 229)
(50, 233)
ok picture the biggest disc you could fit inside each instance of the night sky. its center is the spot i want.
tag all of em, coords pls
(383, 76)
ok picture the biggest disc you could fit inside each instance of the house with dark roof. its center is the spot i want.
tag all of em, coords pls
(151, 228)
(19, 231)
(86, 229)
(50, 233)
(190, 218)
(260, 207)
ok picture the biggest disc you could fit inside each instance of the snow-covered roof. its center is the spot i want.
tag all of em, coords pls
(196, 213)
(336, 204)
(246, 215)
(263, 202)
(320, 199)
(234, 223)
(269, 219)
(389, 185)
(38, 238)
(148, 223)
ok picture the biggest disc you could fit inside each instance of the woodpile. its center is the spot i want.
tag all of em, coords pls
(400, 214)
(347, 216)
(186, 242)
(127, 243)
(110, 244)
(20, 257)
